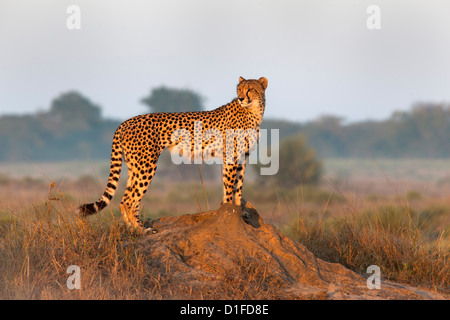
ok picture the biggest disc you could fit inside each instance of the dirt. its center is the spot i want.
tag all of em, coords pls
(233, 250)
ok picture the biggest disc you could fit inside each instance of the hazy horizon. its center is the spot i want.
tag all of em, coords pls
(319, 56)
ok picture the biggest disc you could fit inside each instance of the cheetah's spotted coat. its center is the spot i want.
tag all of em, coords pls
(141, 139)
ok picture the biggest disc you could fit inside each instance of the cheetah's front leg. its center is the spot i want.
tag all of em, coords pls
(229, 178)
(239, 181)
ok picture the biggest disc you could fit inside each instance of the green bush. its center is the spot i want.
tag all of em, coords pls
(298, 164)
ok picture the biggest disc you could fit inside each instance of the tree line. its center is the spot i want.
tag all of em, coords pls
(421, 132)
(74, 129)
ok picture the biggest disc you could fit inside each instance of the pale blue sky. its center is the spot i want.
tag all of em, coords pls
(318, 55)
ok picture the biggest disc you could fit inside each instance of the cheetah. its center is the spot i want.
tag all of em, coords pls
(141, 139)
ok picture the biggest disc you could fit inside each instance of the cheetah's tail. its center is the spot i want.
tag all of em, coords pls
(113, 180)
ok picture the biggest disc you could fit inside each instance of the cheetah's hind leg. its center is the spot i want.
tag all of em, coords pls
(139, 179)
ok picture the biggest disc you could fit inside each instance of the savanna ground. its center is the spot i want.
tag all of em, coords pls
(389, 213)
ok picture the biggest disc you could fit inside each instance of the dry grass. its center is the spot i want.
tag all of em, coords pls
(39, 243)
(40, 237)
(409, 246)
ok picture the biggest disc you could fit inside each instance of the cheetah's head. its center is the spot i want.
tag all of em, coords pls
(251, 92)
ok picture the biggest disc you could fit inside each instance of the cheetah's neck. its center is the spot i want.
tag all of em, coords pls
(256, 111)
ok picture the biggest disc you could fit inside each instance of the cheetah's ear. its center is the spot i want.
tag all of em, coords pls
(263, 82)
(241, 79)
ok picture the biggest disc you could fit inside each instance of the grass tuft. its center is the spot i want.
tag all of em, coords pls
(398, 242)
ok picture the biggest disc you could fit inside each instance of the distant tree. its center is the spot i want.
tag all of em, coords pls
(71, 129)
(74, 110)
(20, 136)
(298, 163)
(79, 131)
(164, 99)
(328, 135)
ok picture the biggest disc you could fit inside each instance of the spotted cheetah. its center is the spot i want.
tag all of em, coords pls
(141, 139)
